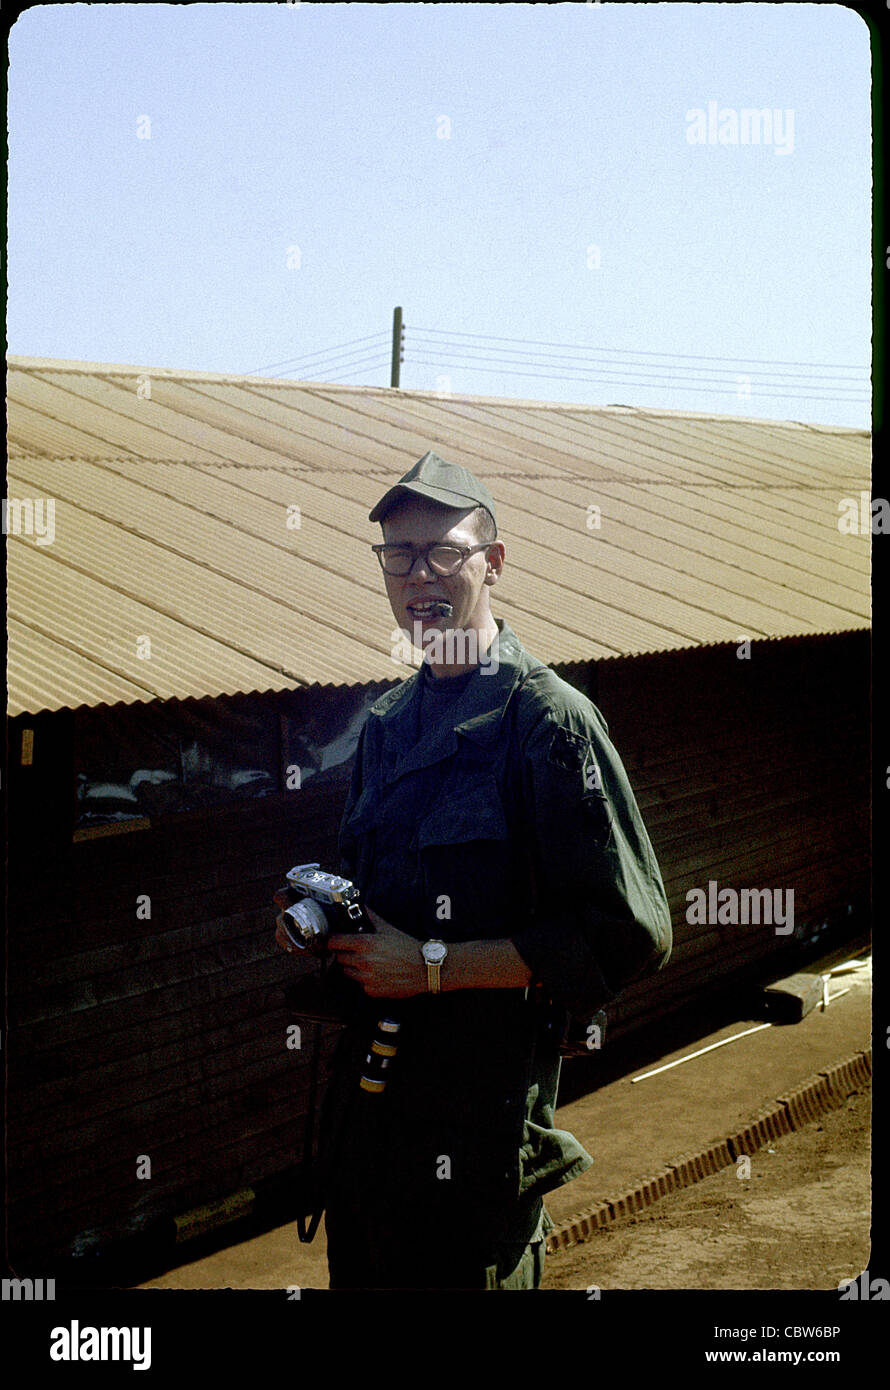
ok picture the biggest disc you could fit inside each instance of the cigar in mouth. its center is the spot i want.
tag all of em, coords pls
(441, 609)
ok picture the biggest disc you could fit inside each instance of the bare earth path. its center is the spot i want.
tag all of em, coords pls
(800, 1221)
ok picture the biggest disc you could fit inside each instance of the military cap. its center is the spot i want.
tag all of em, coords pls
(437, 481)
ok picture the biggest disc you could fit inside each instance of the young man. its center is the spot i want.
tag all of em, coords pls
(501, 856)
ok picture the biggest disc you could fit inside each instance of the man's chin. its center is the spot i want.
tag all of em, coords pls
(416, 628)
(443, 645)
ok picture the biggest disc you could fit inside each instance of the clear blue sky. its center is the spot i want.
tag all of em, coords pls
(515, 172)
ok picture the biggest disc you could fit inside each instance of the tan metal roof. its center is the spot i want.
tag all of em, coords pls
(172, 492)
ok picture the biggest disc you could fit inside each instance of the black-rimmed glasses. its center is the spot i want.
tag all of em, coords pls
(445, 560)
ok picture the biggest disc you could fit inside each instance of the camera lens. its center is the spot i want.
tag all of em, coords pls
(383, 1050)
(306, 924)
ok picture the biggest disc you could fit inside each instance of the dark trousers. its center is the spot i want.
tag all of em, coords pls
(378, 1248)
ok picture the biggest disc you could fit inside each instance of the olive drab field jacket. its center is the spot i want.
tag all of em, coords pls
(512, 819)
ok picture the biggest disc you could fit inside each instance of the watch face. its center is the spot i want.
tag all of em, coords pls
(434, 952)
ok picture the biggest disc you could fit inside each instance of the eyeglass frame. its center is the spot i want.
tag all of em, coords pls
(422, 552)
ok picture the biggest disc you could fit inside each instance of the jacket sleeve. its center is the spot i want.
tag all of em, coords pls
(600, 917)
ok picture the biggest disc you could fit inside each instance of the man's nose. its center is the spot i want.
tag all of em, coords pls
(424, 571)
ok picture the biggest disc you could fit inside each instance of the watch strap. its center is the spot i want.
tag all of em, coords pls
(434, 967)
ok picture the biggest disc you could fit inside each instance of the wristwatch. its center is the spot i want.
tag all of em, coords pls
(434, 953)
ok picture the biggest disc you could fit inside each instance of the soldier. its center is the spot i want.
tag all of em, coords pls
(501, 856)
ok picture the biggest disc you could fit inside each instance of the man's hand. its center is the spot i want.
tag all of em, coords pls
(387, 964)
(283, 941)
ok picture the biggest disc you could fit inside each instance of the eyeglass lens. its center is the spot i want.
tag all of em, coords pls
(442, 559)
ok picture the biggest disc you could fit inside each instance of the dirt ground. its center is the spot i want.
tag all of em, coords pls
(801, 1221)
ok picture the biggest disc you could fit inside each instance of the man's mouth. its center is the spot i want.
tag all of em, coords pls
(430, 608)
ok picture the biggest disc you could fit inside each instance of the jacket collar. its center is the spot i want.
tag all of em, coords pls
(477, 712)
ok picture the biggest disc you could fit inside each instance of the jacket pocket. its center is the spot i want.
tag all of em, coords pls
(477, 814)
(465, 852)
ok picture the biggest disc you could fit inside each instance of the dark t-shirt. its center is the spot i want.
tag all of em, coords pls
(438, 694)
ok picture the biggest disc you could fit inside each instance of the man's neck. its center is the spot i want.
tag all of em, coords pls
(457, 651)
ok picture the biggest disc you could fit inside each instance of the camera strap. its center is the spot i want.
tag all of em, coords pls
(306, 1232)
(311, 1194)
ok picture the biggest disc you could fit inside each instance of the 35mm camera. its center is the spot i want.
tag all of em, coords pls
(326, 905)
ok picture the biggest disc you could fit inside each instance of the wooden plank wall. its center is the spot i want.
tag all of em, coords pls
(754, 773)
(163, 1037)
(166, 1037)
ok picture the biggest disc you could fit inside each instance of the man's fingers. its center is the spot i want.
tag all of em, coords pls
(283, 939)
(348, 943)
(354, 971)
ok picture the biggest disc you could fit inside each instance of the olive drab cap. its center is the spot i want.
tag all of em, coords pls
(437, 481)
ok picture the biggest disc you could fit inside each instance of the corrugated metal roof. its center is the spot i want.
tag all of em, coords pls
(172, 489)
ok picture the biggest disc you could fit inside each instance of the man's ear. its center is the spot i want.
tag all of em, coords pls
(495, 562)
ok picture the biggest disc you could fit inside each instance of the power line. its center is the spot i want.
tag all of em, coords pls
(602, 376)
(661, 385)
(322, 375)
(324, 354)
(643, 352)
(592, 371)
(341, 360)
(371, 367)
(548, 360)
(369, 363)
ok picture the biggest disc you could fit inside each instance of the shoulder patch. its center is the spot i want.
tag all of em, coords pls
(573, 753)
(568, 750)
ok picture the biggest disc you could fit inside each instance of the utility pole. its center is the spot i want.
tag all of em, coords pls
(398, 346)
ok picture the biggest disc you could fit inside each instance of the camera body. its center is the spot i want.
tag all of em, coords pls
(326, 905)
